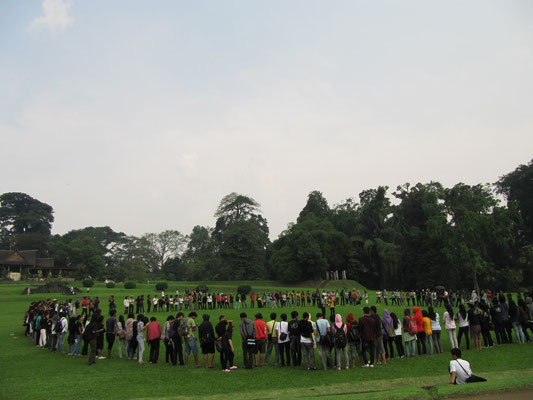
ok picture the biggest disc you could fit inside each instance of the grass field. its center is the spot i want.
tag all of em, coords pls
(27, 372)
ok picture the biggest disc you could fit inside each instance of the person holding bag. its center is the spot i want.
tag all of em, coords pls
(460, 370)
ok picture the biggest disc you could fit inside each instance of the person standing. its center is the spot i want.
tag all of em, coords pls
(272, 332)
(294, 338)
(449, 323)
(378, 343)
(177, 342)
(435, 328)
(111, 331)
(206, 334)
(462, 319)
(191, 345)
(306, 340)
(367, 325)
(140, 338)
(474, 318)
(354, 339)
(260, 339)
(62, 331)
(322, 329)
(93, 330)
(340, 333)
(283, 341)
(248, 333)
(228, 349)
(153, 336)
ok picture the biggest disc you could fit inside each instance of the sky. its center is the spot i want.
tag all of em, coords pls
(143, 115)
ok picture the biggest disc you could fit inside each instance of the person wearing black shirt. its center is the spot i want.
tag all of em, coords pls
(294, 338)
(206, 335)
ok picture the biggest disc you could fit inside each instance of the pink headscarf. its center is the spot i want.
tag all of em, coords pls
(338, 320)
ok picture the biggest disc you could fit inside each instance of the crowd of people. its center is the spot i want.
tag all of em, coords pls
(342, 342)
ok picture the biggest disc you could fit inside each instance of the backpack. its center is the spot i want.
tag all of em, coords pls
(294, 327)
(183, 329)
(307, 329)
(412, 328)
(340, 337)
(58, 327)
(353, 333)
(173, 331)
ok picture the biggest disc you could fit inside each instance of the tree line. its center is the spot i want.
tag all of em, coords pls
(465, 236)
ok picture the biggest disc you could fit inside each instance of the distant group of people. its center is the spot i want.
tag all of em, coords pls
(341, 342)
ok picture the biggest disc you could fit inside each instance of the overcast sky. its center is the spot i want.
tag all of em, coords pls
(142, 115)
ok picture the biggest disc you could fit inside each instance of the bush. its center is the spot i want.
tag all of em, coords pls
(130, 285)
(201, 288)
(110, 285)
(87, 282)
(161, 286)
(244, 289)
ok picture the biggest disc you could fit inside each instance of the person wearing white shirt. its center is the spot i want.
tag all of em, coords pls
(459, 369)
(282, 330)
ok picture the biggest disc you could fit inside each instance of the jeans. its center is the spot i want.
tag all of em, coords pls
(325, 356)
(92, 352)
(273, 343)
(368, 345)
(308, 355)
(463, 331)
(154, 350)
(77, 345)
(355, 351)
(296, 351)
(412, 345)
(519, 332)
(429, 339)
(248, 355)
(140, 341)
(285, 352)
(437, 342)
(60, 339)
(421, 340)
(338, 352)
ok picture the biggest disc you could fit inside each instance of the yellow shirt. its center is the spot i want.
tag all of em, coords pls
(271, 328)
(427, 326)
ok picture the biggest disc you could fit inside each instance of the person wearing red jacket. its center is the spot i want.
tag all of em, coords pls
(153, 336)
(421, 335)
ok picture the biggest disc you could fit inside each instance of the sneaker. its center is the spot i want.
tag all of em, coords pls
(226, 370)
(371, 365)
(234, 367)
(101, 358)
(366, 365)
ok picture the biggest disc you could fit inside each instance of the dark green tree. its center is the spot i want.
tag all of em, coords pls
(25, 222)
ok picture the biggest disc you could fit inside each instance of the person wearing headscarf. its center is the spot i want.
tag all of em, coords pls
(340, 333)
(354, 339)
(388, 334)
(421, 336)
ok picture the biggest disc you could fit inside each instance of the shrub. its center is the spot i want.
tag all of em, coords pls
(201, 288)
(244, 289)
(130, 285)
(110, 285)
(87, 282)
(161, 286)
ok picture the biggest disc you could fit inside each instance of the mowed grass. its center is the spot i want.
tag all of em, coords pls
(27, 372)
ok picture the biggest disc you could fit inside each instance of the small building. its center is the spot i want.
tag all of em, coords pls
(17, 260)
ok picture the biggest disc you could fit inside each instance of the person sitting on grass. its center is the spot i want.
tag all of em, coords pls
(459, 369)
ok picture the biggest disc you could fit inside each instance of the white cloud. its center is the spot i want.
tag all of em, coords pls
(55, 15)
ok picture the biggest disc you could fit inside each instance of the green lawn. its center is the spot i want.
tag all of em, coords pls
(28, 372)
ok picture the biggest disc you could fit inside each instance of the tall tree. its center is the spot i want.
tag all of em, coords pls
(25, 221)
(162, 246)
(316, 204)
(241, 238)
